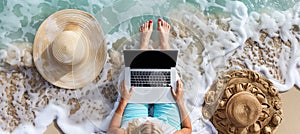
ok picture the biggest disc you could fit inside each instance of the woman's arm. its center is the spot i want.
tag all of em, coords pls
(114, 127)
(186, 127)
(186, 123)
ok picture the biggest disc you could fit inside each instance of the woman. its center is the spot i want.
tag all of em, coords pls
(167, 118)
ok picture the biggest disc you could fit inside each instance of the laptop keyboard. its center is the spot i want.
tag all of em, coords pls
(150, 78)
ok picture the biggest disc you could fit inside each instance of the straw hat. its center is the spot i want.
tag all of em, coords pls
(69, 49)
(242, 101)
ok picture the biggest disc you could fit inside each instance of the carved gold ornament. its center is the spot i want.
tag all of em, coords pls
(242, 101)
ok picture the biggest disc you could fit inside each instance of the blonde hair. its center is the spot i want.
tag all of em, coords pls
(145, 128)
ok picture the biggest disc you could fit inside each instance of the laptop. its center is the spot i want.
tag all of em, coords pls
(151, 73)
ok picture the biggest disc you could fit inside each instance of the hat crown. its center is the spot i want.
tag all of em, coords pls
(243, 109)
(69, 47)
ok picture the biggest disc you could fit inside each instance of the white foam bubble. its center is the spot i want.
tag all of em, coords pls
(3, 54)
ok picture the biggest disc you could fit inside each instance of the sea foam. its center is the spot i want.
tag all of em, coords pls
(263, 41)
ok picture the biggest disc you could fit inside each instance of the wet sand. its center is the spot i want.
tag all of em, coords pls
(291, 116)
(52, 129)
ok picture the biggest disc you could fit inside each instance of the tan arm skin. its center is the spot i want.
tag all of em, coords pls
(115, 124)
(186, 127)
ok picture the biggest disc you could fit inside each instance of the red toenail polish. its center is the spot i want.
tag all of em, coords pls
(150, 21)
(159, 19)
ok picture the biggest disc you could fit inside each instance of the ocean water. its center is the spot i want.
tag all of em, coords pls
(213, 36)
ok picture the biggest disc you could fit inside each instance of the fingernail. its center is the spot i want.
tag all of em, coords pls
(150, 21)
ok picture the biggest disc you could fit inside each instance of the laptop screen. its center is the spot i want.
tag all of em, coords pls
(150, 59)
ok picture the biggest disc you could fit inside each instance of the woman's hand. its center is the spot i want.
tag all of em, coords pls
(124, 91)
(178, 96)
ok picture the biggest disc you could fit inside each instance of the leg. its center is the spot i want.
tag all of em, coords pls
(164, 30)
(135, 110)
(168, 113)
(145, 33)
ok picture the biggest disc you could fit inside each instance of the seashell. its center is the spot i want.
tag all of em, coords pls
(255, 128)
(232, 129)
(239, 87)
(264, 114)
(227, 76)
(261, 98)
(222, 103)
(276, 120)
(210, 97)
(277, 105)
(182, 33)
(267, 130)
(273, 91)
(15, 74)
(227, 93)
(14, 82)
(219, 85)
(254, 89)
(265, 105)
(206, 113)
(249, 86)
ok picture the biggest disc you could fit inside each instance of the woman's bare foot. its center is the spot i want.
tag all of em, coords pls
(145, 33)
(164, 29)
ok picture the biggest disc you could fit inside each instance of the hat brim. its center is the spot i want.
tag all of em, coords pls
(74, 76)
